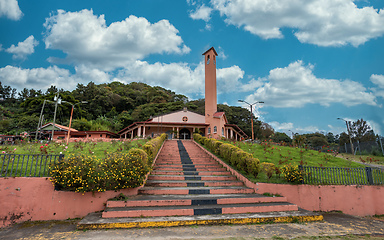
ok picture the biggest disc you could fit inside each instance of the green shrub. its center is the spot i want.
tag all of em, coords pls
(119, 170)
(238, 158)
(125, 170)
(268, 169)
(292, 173)
(152, 147)
(253, 166)
(79, 173)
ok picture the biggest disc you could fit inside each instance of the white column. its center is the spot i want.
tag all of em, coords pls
(144, 131)
(132, 134)
(139, 131)
(231, 133)
(173, 132)
(177, 136)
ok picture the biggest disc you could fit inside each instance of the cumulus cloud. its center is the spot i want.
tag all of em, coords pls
(43, 78)
(201, 13)
(180, 77)
(379, 81)
(10, 9)
(228, 79)
(37, 78)
(296, 86)
(86, 39)
(23, 49)
(281, 126)
(319, 22)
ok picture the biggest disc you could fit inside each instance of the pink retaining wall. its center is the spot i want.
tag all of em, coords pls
(24, 199)
(350, 199)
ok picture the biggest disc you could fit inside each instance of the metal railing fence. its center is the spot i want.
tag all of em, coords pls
(25, 165)
(342, 176)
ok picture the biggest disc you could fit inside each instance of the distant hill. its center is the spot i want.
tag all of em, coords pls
(111, 106)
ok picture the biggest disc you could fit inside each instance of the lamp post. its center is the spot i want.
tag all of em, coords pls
(349, 133)
(70, 119)
(251, 106)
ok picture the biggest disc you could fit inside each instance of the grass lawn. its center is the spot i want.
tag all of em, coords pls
(379, 160)
(38, 165)
(283, 155)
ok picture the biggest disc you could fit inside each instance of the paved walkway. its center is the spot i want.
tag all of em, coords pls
(334, 224)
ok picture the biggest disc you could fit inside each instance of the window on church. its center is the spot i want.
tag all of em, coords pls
(209, 130)
(214, 129)
(208, 59)
(222, 131)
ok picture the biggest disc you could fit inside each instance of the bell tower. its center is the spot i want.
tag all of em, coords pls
(210, 83)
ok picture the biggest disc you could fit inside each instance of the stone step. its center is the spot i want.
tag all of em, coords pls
(187, 200)
(95, 221)
(183, 177)
(192, 173)
(194, 190)
(192, 183)
(197, 210)
(170, 168)
(163, 211)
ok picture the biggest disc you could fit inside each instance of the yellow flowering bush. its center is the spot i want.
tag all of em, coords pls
(292, 173)
(79, 173)
(268, 168)
(119, 170)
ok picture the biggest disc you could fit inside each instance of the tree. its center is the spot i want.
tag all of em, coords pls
(361, 131)
(278, 137)
(266, 130)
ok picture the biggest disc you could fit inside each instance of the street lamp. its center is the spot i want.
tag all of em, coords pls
(251, 106)
(349, 133)
(70, 119)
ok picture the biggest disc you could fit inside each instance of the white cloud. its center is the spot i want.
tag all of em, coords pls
(179, 77)
(375, 126)
(37, 78)
(43, 78)
(379, 81)
(296, 86)
(10, 9)
(319, 22)
(86, 39)
(228, 79)
(23, 49)
(281, 126)
(201, 13)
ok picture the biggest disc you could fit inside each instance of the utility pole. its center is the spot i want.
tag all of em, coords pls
(349, 134)
(40, 121)
(251, 106)
(58, 101)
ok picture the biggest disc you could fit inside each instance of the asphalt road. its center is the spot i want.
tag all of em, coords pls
(334, 224)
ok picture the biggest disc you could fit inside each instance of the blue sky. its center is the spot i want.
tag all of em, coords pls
(310, 61)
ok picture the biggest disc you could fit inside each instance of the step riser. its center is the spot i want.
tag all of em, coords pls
(189, 202)
(191, 173)
(181, 177)
(186, 191)
(192, 212)
(203, 184)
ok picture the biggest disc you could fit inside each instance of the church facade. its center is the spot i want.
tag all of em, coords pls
(182, 124)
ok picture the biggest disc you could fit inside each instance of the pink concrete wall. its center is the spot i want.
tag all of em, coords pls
(34, 199)
(350, 199)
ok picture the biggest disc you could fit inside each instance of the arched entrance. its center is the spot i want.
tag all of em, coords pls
(184, 134)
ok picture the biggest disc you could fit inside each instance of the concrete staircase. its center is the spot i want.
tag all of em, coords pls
(186, 181)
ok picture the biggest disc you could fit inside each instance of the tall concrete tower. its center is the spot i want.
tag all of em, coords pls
(210, 83)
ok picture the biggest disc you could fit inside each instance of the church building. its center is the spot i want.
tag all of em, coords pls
(182, 124)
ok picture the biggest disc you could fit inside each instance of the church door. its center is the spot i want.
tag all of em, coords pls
(184, 134)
